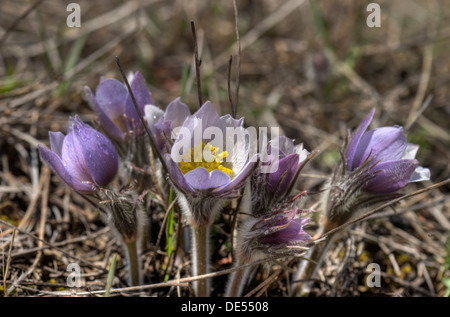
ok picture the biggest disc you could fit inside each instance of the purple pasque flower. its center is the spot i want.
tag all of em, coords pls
(84, 158)
(276, 173)
(388, 155)
(115, 108)
(208, 157)
(278, 233)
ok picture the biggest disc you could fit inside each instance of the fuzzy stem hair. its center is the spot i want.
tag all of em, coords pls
(135, 278)
(237, 281)
(200, 259)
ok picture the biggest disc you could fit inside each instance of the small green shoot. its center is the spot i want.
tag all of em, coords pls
(72, 59)
(110, 279)
(184, 78)
(169, 229)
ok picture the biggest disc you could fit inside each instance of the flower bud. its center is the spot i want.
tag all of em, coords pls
(279, 233)
(276, 174)
(84, 158)
(115, 108)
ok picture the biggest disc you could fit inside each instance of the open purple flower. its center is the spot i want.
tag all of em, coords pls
(207, 156)
(276, 174)
(114, 105)
(280, 233)
(84, 158)
(391, 157)
(215, 165)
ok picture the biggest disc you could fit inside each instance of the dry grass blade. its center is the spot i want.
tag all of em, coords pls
(17, 21)
(197, 62)
(8, 263)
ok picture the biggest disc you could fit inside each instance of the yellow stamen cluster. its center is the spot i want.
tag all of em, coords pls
(196, 158)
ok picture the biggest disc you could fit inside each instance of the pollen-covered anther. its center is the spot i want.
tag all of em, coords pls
(197, 158)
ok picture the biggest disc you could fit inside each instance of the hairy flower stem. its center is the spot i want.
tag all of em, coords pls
(237, 280)
(200, 259)
(133, 263)
(307, 270)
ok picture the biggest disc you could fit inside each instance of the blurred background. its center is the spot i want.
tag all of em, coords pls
(313, 68)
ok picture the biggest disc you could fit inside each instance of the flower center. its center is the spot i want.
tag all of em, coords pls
(197, 156)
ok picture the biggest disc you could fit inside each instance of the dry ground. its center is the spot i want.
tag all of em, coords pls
(313, 68)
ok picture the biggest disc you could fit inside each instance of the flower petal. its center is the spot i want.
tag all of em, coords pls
(237, 144)
(158, 127)
(111, 127)
(110, 95)
(201, 179)
(302, 152)
(289, 235)
(152, 115)
(420, 174)
(410, 151)
(56, 142)
(73, 159)
(240, 178)
(286, 145)
(177, 176)
(142, 97)
(56, 164)
(385, 144)
(393, 176)
(281, 179)
(207, 113)
(227, 121)
(176, 112)
(355, 139)
(97, 151)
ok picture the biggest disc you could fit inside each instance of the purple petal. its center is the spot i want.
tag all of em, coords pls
(177, 176)
(286, 145)
(384, 144)
(292, 233)
(207, 113)
(115, 128)
(355, 139)
(56, 164)
(281, 179)
(142, 96)
(201, 179)
(240, 177)
(56, 142)
(197, 123)
(110, 96)
(176, 112)
(228, 121)
(73, 159)
(100, 156)
(393, 176)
